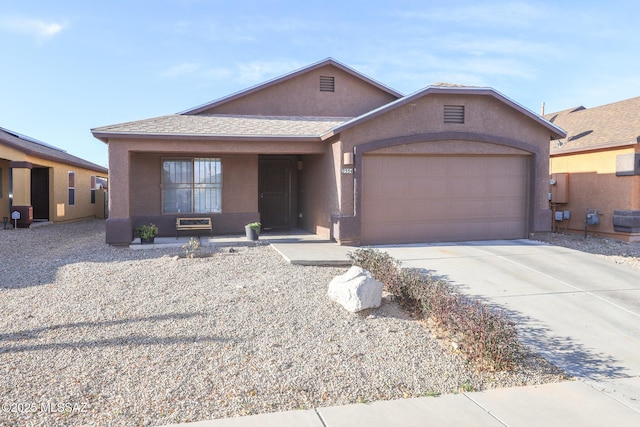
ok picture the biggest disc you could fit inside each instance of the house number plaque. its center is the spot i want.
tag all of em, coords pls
(347, 170)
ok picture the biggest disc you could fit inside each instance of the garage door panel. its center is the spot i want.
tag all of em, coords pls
(373, 189)
(479, 208)
(513, 187)
(443, 198)
(395, 187)
(431, 187)
(435, 167)
(417, 210)
(458, 186)
(477, 188)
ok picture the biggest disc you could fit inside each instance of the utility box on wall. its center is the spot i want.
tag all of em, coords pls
(559, 184)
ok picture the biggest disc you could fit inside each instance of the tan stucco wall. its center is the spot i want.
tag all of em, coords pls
(59, 208)
(593, 184)
(352, 97)
(59, 203)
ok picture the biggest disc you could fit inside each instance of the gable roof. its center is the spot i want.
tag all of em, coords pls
(272, 82)
(36, 148)
(607, 126)
(223, 126)
(555, 131)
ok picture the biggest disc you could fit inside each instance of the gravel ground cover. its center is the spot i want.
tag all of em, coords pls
(96, 335)
(613, 250)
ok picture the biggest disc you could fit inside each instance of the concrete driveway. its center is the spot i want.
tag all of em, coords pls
(578, 310)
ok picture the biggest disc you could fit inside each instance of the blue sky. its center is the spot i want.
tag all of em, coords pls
(69, 66)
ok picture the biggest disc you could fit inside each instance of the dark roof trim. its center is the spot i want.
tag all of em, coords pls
(272, 82)
(556, 132)
(20, 165)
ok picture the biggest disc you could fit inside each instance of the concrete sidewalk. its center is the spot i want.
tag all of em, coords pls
(567, 404)
(580, 311)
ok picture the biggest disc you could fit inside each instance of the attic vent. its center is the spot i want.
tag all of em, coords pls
(454, 113)
(327, 84)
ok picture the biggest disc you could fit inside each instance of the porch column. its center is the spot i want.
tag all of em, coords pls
(118, 226)
(21, 182)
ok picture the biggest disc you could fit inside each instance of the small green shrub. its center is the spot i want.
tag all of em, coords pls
(255, 226)
(486, 338)
(147, 231)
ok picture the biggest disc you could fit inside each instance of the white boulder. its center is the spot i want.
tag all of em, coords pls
(356, 290)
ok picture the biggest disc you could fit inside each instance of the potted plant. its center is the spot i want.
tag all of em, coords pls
(252, 230)
(147, 233)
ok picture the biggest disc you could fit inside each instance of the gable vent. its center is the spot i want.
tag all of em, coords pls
(327, 84)
(454, 113)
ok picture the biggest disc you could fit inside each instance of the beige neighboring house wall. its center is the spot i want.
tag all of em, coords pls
(600, 162)
(292, 153)
(39, 176)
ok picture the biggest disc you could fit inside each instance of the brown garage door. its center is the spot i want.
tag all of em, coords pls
(443, 198)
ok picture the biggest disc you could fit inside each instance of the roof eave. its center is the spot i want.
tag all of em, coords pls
(88, 165)
(594, 147)
(105, 136)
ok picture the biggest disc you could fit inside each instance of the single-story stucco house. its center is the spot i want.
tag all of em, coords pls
(329, 150)
(597, 167)
(45, 183)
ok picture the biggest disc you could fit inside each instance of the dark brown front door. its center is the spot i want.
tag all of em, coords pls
(40, 193)
(274, 192)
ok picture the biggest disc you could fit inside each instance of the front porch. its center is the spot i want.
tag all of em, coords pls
(296, 246)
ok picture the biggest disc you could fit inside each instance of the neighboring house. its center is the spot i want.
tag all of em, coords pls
(600, 162)
(44, 183)
(331, 151)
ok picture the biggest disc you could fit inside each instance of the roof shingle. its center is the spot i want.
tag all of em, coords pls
(610, 125)
(225, 126)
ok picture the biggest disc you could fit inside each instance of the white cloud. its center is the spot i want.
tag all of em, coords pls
(31, 27)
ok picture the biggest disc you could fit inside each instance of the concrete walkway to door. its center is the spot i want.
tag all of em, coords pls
(578, 310)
